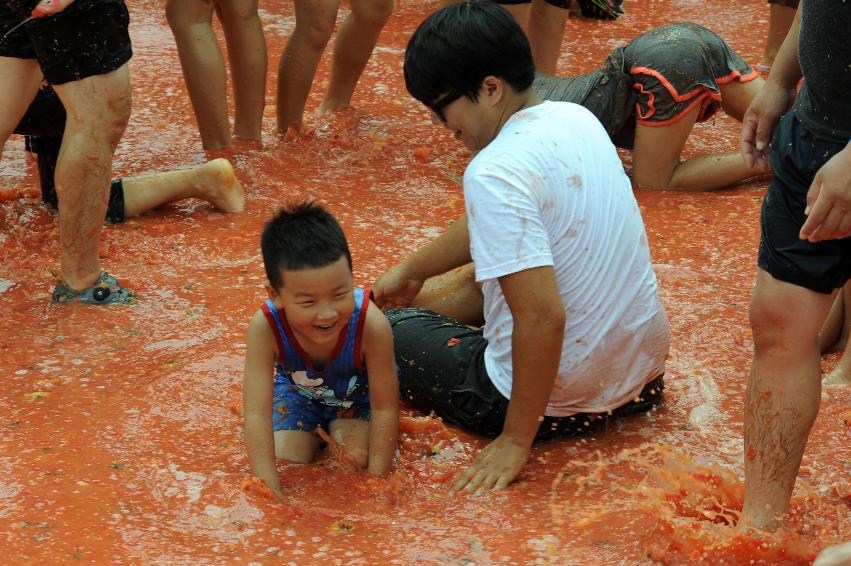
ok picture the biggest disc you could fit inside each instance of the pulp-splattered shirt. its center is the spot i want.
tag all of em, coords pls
(550, 190)
(343, 382)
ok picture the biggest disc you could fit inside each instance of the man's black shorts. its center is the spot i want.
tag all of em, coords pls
(796, 157)
(88, 38)
(442, 369)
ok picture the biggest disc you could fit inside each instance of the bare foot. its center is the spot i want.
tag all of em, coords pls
(839, 376)
(839, 555)
(333, 105)
(222, 189)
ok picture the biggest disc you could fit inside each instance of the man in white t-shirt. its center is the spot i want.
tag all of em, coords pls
(561, 277)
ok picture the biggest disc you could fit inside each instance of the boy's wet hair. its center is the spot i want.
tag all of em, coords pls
(455, 48)
(301, 236)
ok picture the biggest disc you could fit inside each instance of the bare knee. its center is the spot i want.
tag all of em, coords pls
(181, 14)
(779, 329)
(238, 13)
(658, 177)
(317, 32)
(372, 13)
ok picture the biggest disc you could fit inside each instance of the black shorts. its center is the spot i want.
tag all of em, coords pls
(796, 157)
(789, 3)
(88, 38)
(442, 369)
(557, 3)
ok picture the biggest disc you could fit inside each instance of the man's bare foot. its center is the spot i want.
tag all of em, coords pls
(333, 105)
(839, 376)
(838, 555)
(221, 188)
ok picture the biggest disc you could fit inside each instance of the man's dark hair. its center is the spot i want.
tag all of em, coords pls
(455, 48)
(301, 236)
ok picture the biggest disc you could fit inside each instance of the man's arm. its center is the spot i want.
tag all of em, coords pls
(773, 99)
(536, 343)
(258, 397)
(383, 391)
(829, 200)
(398, 286)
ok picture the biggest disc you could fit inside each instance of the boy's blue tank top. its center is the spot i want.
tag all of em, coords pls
(343, 382)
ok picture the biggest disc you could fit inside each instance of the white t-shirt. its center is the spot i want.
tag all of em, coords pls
(550, 189)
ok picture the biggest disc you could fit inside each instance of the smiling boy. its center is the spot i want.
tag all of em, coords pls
(320, 335)
(561, 276)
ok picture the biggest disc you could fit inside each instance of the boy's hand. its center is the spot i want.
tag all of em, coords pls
(497, 465)
(396, 288)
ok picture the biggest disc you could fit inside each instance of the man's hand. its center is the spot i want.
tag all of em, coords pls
(396, 288)
(829, 201)
(497, 465)
(759, 122)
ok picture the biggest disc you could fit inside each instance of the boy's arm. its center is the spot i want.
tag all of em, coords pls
(257, 395)
(398, 286)
(383, 391)
(533, 298)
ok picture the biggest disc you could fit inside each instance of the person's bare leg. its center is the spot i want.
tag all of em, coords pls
(314, 25)
(546, 31)
(213, 182)
(248, 63)
(736, 96)
(779, 21)
(98, 108)
(354, 44)
(520, 12)
(296, 445)
(203, 67)
(454, 294)
(783, 394)
(833, 334)
(21, 80)
(656, 160)
(841, 374)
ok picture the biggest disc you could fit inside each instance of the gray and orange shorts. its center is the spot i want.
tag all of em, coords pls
(679, 67)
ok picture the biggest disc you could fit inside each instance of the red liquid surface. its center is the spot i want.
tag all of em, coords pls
(121, 440)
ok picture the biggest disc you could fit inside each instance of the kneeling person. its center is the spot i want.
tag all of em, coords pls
(561, 274)
(320, 335)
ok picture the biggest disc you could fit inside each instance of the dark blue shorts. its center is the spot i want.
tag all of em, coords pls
(293, 411)
(796, 156)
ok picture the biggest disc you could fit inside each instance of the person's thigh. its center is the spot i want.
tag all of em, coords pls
(20, 82)
(657, 149)
(442, 369)
(796, 156)
(454, 294)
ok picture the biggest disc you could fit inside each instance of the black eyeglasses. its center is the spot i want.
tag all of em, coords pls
(442, 102)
